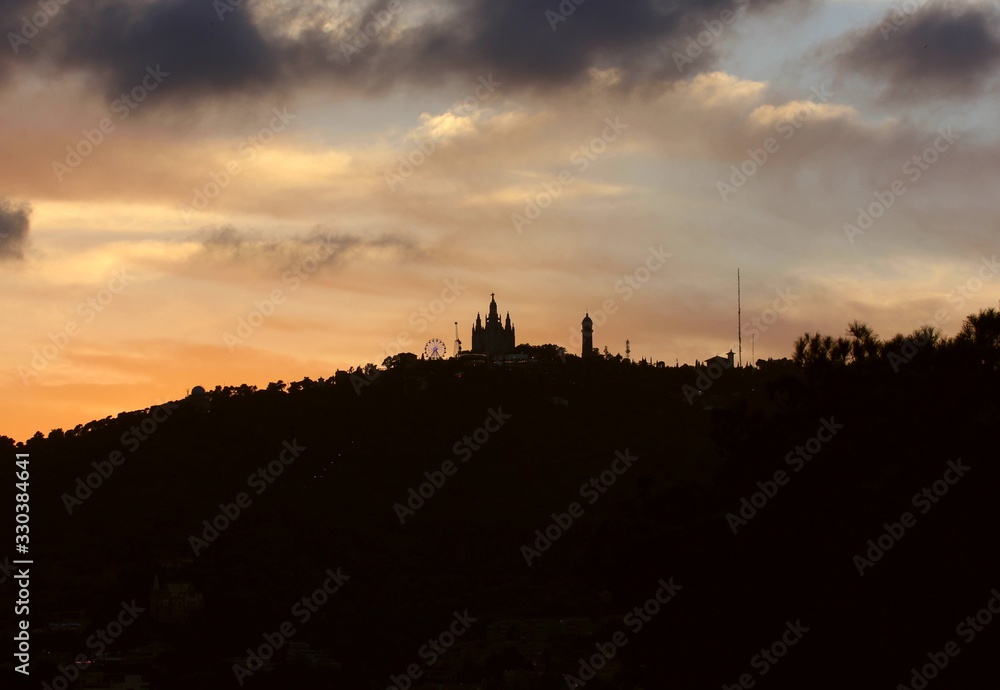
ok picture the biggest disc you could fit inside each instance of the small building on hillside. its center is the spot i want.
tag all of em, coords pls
(724, 362)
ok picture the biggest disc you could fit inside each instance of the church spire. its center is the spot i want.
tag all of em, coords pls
(494, 316)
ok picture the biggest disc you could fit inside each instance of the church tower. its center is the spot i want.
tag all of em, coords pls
(588, 337)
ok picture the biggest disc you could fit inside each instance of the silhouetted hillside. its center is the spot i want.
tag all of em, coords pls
(522, 441)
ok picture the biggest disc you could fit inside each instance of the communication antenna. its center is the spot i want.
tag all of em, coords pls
(739, 317)
(628, 350)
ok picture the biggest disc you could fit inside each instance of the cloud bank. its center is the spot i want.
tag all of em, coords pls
(216, 49)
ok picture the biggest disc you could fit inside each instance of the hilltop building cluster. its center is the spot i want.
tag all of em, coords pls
(496, 339)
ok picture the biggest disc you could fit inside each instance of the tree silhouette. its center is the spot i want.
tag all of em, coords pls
(548, 351)
(979, 337)
(864, 345)
(813, 350)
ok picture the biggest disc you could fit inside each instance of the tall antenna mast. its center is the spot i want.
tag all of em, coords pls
(739, 317)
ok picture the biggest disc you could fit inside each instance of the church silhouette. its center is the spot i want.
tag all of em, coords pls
(494, 339)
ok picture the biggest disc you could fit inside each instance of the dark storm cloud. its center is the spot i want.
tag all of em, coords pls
(118, 40)
(14, 225)
(208, 51)
(933, 53)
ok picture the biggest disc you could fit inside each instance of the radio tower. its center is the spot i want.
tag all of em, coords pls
(628, 351)
(739, 317)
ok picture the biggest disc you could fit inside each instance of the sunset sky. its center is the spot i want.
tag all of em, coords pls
(336, 167)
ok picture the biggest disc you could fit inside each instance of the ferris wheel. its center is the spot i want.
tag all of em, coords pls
(434, 349)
